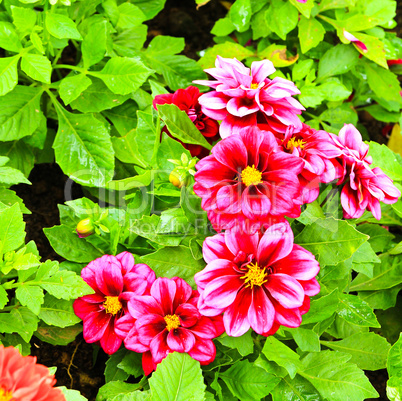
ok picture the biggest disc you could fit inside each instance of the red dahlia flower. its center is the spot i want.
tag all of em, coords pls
(187, 100)
(318, 153)
(22, 379)
(258, 281)
(246, 97)
(365, 187)
(168, 320)
(248, 180)
(115, 279)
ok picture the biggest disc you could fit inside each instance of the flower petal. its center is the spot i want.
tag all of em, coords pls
(261, 313)
(285, 289)
(235, 317)
(180, 340)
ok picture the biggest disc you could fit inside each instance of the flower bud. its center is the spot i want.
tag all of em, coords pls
(179, 177)
(85, 228)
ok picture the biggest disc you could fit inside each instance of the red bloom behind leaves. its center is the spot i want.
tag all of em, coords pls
(168, 320)
(22, 379)
(248, 180)
(364, 187)
(258, 281)
(115, 279)
(187, 100)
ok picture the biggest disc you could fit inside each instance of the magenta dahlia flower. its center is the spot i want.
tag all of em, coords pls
(246, 97)
(167, 321)
(248, 180)
(364, 187)
(187, 100)
(115, 279)
(258, 281)
(22, 379)
(318, 153)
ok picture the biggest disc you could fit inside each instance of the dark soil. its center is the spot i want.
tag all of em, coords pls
(75, 362)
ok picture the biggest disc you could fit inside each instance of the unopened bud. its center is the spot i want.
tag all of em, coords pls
(85, 228)
(179, 177)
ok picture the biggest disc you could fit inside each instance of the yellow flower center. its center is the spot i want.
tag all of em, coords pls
(251, 176)
(295, 143)
(255, 275)
(112, 305)
(172, 322)
(5, 395)
(254, 86)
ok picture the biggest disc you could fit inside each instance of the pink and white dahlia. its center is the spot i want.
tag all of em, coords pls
(22, 379)
(364, 187)
(246, 97)
(248, 180)
(318, 153)
(115, 279)
(257, 281)
(167, 321)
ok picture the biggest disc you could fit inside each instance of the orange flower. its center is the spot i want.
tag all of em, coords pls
(22, 379)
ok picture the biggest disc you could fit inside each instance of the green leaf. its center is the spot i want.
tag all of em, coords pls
(86, 136)
(275, 350)
(20, 320)
(249, 382)
(12, 229)
(37, 67)
(240, 14)
(333, 377)
(30, 296)
(311, 33)
(72, 395)
(307, 340)
(150, 7)
(381, 299)
(9, 198)
(174, 261)
(178, 378)
(110, 391)
(386, 274)
(11, 176)
(24, 19)
(57, 335)
(394, 362)
(282, 18)
(389, 161)
(131, 363)
(223, 27)
(97, 97)
(244, 344)
(298, 389)
(356, 311)
(62, 27)
(58, 312)
(333, 90)
(3, 297)
(337, 60)
(322, 308)
(331, 241)
(20, 113)
(123, 117)
(379, 113)
(383, 82)
(8, 74)
(71, 87)
(126, 149)
(304, 8)
(375, 48)
(9, 39)
(68, 245)
(94, 44)
(130, 16)
(123, 75)
(162, 45)
(65, 285)
(180, 125)
(331, 4)
(369, 351)
(227, 49)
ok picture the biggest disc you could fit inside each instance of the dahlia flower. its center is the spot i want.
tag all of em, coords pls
(22, 379)
(248, 180)
(168, 320)
(115, 279)
(187, 100)
(364, 187)
(262, 281)
(246, 97)
(358, 43)
(318, 153)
